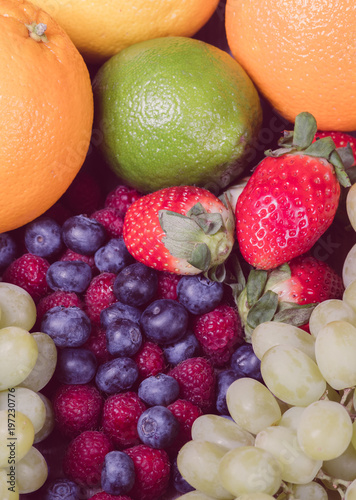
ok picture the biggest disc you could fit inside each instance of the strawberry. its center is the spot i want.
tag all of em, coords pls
(181, 229)
(291, 198)
(345, 144)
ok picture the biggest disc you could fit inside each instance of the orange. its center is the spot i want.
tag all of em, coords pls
(46, 113)
(101, 29)
(300, 54)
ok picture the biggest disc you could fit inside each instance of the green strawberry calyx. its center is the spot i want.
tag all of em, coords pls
(37, 31)
(203, 239)
(300, 140)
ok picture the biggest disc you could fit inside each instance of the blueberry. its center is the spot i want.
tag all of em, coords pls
(245, 363)
(8, 250)
(75, 365)
(223, 381)
(199, 294)
(187, 347)
(113, 257)
(62, 489)
(67, 326)
(83, 235)
(69, 276)
(157, 427)
(118, 473)
(179, 483)
(160, 389)
(43, 237)
(136, 284)
(164, 321)
(123, 337)
(119, 311)
(116, 375)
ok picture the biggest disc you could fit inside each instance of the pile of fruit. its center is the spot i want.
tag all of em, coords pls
(177, 251)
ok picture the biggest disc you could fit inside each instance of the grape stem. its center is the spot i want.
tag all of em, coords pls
(345, 396)
(338, 485)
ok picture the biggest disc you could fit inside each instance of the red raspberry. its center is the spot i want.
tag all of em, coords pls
(97, 344)
(120, 416)
(219, 333)
(29, 272)
(167, 285)
(152, 468)
(111, 220)
(150, 360)
(71, 256)
(84, 195)
(106, 496)
(121, 198)
(84, 457)
(196, 379)
(58, 298)
(99, 295)
(185, 412)
(77, 408)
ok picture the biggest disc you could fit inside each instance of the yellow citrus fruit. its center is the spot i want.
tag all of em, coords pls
(301, 55)
(175, 111)
(101, 29)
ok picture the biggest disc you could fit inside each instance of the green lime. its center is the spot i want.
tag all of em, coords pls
(175, 111)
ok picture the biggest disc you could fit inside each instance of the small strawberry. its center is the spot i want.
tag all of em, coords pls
(291, 198)
(182, 229)
(121, 198)
(219, 333)
(345, 144)
(152, 469)
(111, 220)
(150, 360)
(99, 295)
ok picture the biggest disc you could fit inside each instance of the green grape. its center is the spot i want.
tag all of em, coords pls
(309, 491)
(282, 443)
(325, 430)
(17, 307)
(18, 356)
(25, 401)
(249, 469)
(271, 333)
(349, 295)
(328, 311)
(344, 466)
(291, 417)
(221, 431)
(45, 365)
(349, 267)
(194, 495)
(198, 463)
(256, 496)
(16, 437)
(31, 471)
(291, 375)
(252, 405)
(335, 351)
(350, 493)
(8, 486)
(49, 422)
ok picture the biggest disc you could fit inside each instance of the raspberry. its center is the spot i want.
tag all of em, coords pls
(150, 360)
(99, 295)
(219, 332)
(185, 412)
(197, 382)
(97, 344)
(111, 220)
(106, 496)
(121, 198)
(152, 468)
(120, 416)
(77, 408)
(84, 194)
(84, 457)
(71, 256)
(29, 272)
(167, 285)
(58, 298)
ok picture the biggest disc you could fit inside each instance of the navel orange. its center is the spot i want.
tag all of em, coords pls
(300, 54)
(101, 29)
(46, 112)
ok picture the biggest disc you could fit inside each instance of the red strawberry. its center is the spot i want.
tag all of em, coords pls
(121, 198)
(167, 285)
(185, 412)
(219, 332)
(84, 457)
(120, 416)
(111, 220)
(150, 360)
(343, 142)
(152, 469)
(183, 230)
(99, 295)
(290, 199)
(196, 380)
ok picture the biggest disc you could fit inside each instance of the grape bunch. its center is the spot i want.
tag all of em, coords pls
(292, 436)
(27, 363)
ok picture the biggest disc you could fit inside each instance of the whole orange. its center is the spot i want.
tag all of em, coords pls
(300, 54)
(46, 112)
(101, 29)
